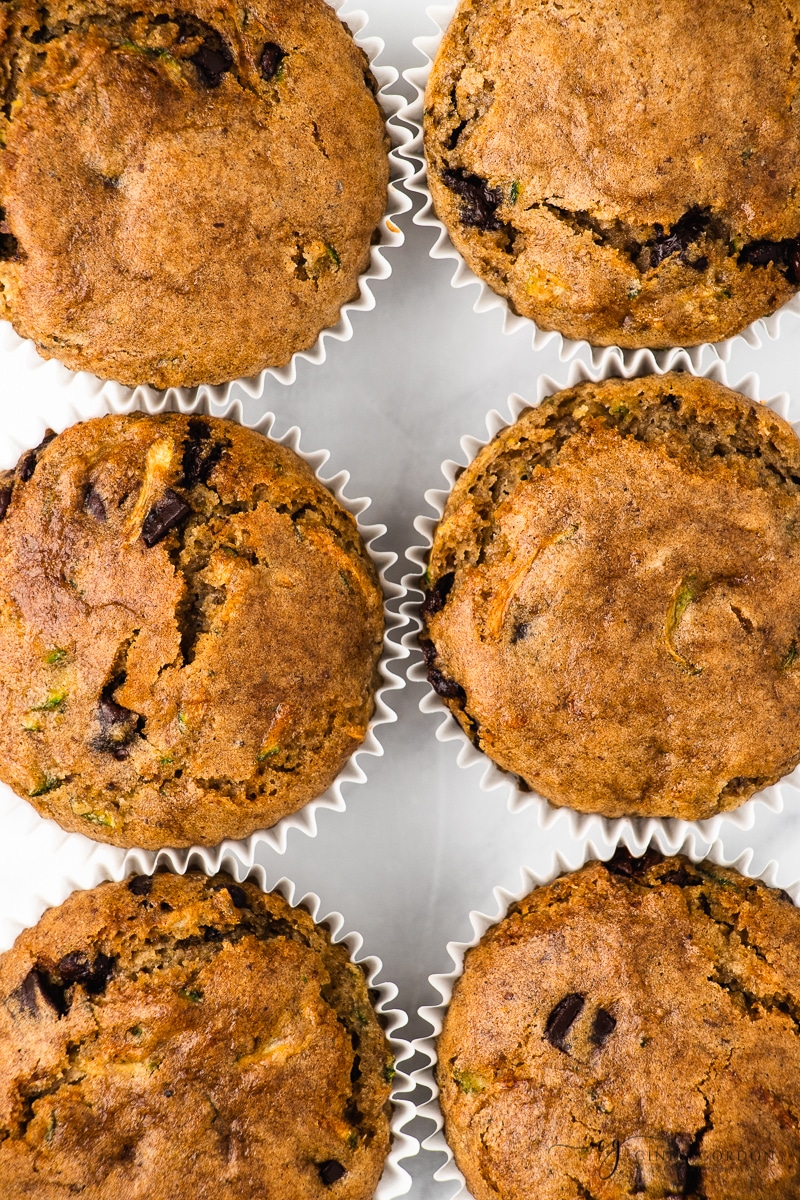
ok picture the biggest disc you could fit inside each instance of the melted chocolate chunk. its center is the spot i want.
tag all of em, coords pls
(27, 465)
(76, 968)
(785, 255)
(602, 1027)
(441, 683)
(9, 246)
(200, 454)
(331, 1171)
(93, 503)
(681, 878)
(140, 885)
(37, 993)
(436, 597)
(681, 236)
(479, 210)
(562, 1018)
(118, 726)
(212, 62)
(271, 58)
(444, 686)
(237, 894)
(5, 499)
(623, 863)
(167, 512)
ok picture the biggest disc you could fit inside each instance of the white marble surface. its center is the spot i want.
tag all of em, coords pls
(420, 845)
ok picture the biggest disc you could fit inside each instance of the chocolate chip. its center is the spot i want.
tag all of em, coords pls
(9, 246)
(167, 512)
(441, 684)
(331, 1171)
(118, 726)
(785, 255)
(623, 863)
(76, 968)
(271, 58)
(681, 236)
(480, 201)
(521, 631)
(27, 465)
(5, 500)
(212, 63)
(681, 878)
(93, 503)
(602, 1027)
(562, 1018)
(200, 454)
(141, 885)
(436, 597)
(444, 686)
(38, 992)
(238, 895)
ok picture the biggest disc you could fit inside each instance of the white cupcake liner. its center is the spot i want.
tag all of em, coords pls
(487, 300)
(580, 825)
(44, 890)
(21, 429)
(693, 847)
(19, 355)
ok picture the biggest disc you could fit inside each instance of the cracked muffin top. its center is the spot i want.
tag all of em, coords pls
(613, 598)
(630, 1029)
(190, 628)
(187, 194)
(188, 1036)
(628, 174)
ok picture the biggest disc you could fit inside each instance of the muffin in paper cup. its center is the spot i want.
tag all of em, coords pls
(579, 824)
(24, 429)
(439, 16)
(558, 1031)
(46, 889)
(19, 355)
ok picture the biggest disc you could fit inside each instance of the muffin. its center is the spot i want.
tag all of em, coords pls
(190, 630)
(188, 1036)
(627, 174)
(613, 598)
(188, 193)
(628, 1030)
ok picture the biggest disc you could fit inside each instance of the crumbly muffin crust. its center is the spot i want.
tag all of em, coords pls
(625, 174)
(176, 1036)
(190, 628)
(187, 193)
(613, 605)
(630, 1029)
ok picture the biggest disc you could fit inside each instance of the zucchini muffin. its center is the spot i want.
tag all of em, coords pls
(188, 1036)
(188, 193)
(628, 174)
(190, 629)
(630, 1030)
(613, 598)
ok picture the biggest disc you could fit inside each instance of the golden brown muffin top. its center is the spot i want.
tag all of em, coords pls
(613, 608)
(630, 1030)
(188, 1036)
(626, 174)
(190, 628)
(187, 194)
